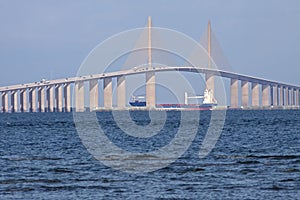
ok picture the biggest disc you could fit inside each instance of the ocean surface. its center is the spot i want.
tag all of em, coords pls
(257, 156)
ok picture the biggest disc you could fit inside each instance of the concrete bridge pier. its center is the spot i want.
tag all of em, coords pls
(265, 95)
(295, 93)
(245, 94)
(121, 91)
(150, 90)
(297, 97)
(58, 98)
(50, 99)
(107, 92)
(255, 95)
(210, 82)
(23, 100)
(14, 101)
(281, 96)
(234, 93)
(274, 96)
(32, 100)
(41, 99)
(287, 97)
(79, 96)
(4, 102)
(292, 97)
(94, 94)
(67, 98)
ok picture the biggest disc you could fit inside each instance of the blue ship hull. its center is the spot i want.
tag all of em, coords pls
(138, 103)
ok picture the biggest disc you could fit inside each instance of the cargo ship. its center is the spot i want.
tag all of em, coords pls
(209, 102)
(138, 101)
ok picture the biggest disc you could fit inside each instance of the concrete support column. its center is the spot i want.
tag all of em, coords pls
(23, 100)
(210, 82)
(281, 96)
(121, 91)
(274, 96)
(4, 102)
(41, 99)
(94, 94)
(50, 98)
(255, 94)
(79, 96)
(297, 97)
(287, 97)
(14, 101)
(67, 97)
(245, 94)
(32, 100)
(292, 96)
(234, 93)
(107, 92)
(58, 98)
(150, 90)
(265, 95)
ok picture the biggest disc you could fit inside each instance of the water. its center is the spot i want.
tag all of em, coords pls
(256, 157)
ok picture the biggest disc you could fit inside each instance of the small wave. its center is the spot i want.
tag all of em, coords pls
(275, 157)
(15, 181)
(248, 162)
(287, 180)
(15, 158)
(17, 189)
(274, 187)
(197, 169)
(60, 170)
(246, 171)
(75, 187)
(290, 170)
(134, 157)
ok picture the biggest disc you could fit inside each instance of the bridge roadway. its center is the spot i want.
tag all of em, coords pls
(141, 70)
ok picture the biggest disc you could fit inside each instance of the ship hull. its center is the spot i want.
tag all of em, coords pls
(176, 106)
(187, 106)
(138, 103)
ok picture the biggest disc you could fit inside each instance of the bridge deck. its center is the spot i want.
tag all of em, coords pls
(134, 71)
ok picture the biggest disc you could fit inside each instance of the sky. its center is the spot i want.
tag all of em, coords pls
(50, 39)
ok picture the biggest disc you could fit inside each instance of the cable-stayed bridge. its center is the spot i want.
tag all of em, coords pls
(56, 95)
